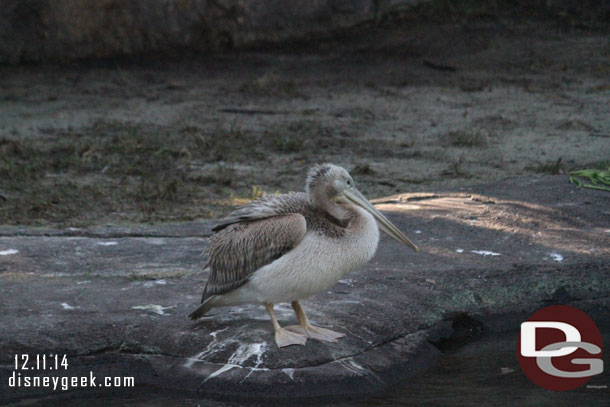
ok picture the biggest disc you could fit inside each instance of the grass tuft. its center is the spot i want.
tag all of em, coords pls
(270, 84)
(468, 138)
(551, 167)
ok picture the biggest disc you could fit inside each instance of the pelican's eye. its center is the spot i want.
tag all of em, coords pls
(350, 183)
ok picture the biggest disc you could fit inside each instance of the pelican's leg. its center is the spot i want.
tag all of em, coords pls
(311, 331)
(284, 337)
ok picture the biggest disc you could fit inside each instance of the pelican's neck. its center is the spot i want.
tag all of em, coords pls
(326, 204)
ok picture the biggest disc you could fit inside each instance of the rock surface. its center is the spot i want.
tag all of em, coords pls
(117, 302)
(37, 30)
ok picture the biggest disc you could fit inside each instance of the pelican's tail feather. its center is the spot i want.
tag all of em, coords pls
(207, 305)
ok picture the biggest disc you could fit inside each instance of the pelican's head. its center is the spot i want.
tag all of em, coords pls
(331, 183)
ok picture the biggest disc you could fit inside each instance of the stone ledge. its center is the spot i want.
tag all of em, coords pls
(118, 305)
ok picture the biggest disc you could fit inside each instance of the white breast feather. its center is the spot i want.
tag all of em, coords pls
(314, 266)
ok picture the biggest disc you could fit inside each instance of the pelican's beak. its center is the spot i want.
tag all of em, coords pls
(354, 196)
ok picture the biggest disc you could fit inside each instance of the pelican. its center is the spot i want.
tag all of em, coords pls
(288, 247)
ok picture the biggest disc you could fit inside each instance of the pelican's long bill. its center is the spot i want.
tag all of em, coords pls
(354, 196)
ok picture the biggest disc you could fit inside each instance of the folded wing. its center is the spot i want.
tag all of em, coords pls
(240, 248)
(266, 207)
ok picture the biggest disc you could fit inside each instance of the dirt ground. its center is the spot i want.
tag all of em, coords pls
(411, 104)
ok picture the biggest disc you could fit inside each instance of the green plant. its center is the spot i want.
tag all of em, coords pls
(594, 176)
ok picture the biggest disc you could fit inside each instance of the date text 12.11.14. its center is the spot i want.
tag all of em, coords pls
(41, 362)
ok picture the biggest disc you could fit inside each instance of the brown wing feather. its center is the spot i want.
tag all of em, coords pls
(266, 207)
(239, 249)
